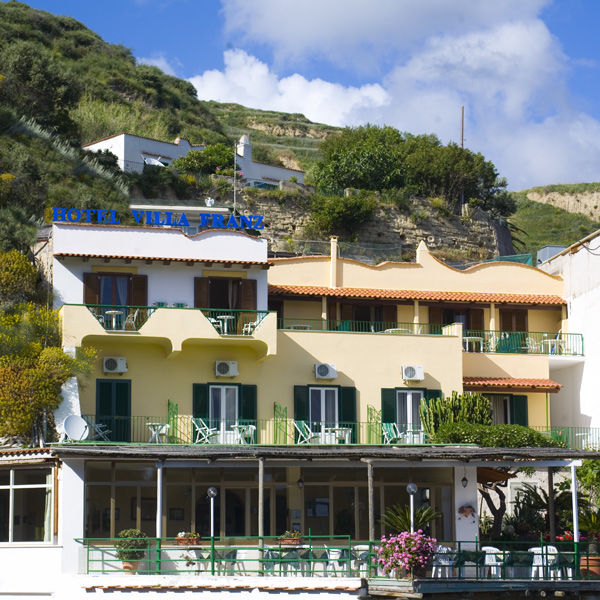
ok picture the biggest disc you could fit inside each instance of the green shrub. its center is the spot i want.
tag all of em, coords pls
(401, 198)
(418, 216)
(440, 205)
(337, 214)
(131, 545)
(493, 436)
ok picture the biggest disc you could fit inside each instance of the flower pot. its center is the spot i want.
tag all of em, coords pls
(188, 541)
(590, 566)
(290, 541)
(130, 566)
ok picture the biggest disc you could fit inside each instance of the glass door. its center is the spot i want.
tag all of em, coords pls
(409, 418)
(323, 415)
(223, 412)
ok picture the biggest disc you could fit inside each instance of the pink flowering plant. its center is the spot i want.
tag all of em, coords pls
(405, 553)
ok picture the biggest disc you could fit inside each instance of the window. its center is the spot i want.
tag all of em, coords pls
(323, 408)
(508, 409)
(225, 293)
(408, 417)
(223, 409)
(26, 501)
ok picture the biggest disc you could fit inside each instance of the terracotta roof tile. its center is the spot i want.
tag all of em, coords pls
(516, 384)
(194, 260)
(303, 290)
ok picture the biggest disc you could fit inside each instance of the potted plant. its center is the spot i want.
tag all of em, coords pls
(589, 521)
(187, 538)
(406, 554)
(131, 547)
(291, 537)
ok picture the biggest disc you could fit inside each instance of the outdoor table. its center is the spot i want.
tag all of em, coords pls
(473, 340)
(340, 435)
(114, 314)
(245, 433)
(225, 319)
(158, 431)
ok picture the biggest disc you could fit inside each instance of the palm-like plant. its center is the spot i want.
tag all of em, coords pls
(397, 517)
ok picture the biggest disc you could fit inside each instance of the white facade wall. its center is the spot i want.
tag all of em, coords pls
(577, 403)
(132, 149)
(261, 172)
(147, 242)
(466, 523)
(172, 284)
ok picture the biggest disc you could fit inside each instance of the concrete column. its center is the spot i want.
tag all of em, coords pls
(159, 499)
(416, 316)
(371, 501)
(261, 498)
(333, 261)
(466, 519)
(324, 308)
(71, 519)
(492, 317)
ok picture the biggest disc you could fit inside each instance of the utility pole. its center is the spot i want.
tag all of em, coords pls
(234, 170)
(462, 126)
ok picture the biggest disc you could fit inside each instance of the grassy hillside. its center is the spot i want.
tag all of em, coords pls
(119, 96)
(542, 225)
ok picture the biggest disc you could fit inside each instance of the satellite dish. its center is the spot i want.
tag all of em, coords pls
(76, 428)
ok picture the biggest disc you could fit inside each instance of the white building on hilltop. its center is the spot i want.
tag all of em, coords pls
(134, 152)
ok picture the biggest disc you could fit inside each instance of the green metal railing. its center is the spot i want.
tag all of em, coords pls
(388, 327)
(581, 438)
(131, 318)
(340, 556)
(523, 342)
(183, 429)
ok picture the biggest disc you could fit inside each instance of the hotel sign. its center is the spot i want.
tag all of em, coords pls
(157, 218)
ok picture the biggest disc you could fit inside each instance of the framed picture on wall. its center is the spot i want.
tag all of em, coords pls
(176, 514)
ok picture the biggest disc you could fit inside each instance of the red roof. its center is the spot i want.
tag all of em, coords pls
(512, 383)
(165, 258)
(306, 290)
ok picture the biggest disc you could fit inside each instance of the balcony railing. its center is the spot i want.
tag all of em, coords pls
(580, 438)
(183, 429)
(523, 342)
(131, 318)
(527, 562)
(388, 327)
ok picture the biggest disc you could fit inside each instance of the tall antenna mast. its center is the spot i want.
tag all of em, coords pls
(234, 170)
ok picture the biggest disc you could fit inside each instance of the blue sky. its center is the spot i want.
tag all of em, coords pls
(527, 71)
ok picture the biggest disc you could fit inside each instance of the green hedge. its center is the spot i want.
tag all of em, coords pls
(493, 436)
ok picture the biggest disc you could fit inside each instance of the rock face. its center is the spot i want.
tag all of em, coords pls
(391, 234)
(585, 203)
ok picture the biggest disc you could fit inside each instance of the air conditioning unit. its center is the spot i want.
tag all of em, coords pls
(226, 368)
(413, 372)
(325, 371)
(114, 364)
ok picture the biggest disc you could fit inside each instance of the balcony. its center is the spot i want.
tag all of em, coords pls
(523, 342)
(184, 429)
(347, 326)
(171, 325)
(483, 565)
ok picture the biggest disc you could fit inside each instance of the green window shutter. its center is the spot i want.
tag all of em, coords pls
(104, 398)
(347, 409)
(430, 394)
(200, 402)
(518, 411)
(247, 407)
(301, 402)
(388, 405)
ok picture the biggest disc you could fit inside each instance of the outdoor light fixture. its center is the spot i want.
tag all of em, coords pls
(412, 488)
(211, 493)
(300, 483)
(464, 481)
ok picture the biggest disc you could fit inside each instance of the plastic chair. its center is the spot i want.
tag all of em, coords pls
(545, 563)
(305, 434)
(391, 434)
(202, 433)
(131, 320)
(216, 324)
(443, 562)
(335, 562)
(493, 561)
(532, 346)
(360, 561)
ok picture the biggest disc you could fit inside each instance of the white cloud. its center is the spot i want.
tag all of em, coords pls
(510, 74)
(353, 32)
(157, 60)
(249, 81)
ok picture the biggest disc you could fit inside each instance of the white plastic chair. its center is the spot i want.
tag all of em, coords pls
(334, 563)
(493, 561)
(203, 434)
(249, 327)
(443, 562)
(360, 560)
(545, 563)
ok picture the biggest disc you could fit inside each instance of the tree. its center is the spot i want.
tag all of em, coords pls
(37, 86)
(18, 279)
(207, 161)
